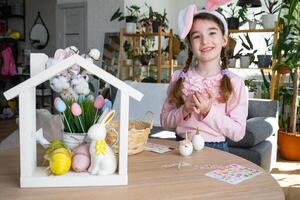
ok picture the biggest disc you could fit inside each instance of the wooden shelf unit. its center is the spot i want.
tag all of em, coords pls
(275, 31)
(137, 36)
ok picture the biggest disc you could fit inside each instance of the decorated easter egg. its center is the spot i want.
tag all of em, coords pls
(81, 158)
(59, 54)
(185, 148)
(99, 102)
(198, 141)
(76, 110)
(107, 105)
(60, 161)
(59, 104)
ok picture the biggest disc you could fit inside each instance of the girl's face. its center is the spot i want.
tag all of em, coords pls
(207, 40)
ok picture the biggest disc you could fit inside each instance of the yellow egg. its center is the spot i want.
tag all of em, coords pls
(60, 161)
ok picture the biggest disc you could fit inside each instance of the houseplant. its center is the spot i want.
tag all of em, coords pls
(252, 88)
(287, 52)
(131, 18)
(237, 15)
(247, 58)
(264, 60)
(155, 19)
(268, 19)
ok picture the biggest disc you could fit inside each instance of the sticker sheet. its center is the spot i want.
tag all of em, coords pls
(157, 148)
(233, 173)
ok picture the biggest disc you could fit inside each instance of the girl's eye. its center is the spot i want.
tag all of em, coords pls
(196, 37)
(212, 33)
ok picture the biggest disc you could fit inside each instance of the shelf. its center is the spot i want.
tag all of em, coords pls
(250, 31)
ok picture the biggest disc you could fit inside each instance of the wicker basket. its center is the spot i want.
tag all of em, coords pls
(137, 135)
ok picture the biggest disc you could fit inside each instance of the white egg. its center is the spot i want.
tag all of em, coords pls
(185, 148)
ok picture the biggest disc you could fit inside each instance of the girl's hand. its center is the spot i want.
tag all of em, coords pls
(202, 103)
(188, 106)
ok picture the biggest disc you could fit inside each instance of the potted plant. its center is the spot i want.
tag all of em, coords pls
(252, 88)
(237, 16)
(268, 20)
(247, 59)
(288, 47)
(264, 60)
(254, 20)
(157, 19)
(131, 19)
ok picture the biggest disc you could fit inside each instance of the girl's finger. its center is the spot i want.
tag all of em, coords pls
(196, 101)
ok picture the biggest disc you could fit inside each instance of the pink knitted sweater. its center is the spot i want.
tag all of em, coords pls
(223, 120)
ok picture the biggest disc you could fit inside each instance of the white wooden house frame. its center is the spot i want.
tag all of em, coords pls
(33, 176)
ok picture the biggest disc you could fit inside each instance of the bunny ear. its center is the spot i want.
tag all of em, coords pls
(106, 116)
(185, 20)
(215, 4)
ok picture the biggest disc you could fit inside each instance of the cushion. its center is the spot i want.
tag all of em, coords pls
(257, 130)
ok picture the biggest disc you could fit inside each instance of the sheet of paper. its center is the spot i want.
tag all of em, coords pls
(233, 173)
(158, 148)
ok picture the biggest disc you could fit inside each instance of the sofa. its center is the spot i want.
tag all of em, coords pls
(259, 144)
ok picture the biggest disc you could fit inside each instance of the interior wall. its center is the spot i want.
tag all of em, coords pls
(47, 10)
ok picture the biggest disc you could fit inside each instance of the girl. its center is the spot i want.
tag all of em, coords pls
(205, 95)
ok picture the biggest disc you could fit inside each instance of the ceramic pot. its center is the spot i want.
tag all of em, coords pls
(288, 144)
(264, 60)
(130, 27)
(72, 140)
(233, 23)
(268, 21)
(245, 61)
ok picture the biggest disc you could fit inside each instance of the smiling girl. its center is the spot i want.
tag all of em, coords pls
(205, 94)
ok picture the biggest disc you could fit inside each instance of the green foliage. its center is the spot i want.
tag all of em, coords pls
(88, 112)
(251, 85)
(247, 44)
(133, 14)
(273, 6)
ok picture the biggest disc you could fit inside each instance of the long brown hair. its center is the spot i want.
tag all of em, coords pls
(225, 87)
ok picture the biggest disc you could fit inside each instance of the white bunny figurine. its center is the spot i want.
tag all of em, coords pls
(103, 159)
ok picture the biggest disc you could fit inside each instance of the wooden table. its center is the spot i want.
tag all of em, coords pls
(149, 178)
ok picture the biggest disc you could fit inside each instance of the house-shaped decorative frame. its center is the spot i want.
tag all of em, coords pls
(33, 176)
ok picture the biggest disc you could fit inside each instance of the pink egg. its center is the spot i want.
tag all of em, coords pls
(80, 162)
(99, 102)
(82, 149)
(76, 110)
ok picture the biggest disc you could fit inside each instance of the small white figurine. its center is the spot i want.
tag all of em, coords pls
(103, 159)
(185, 147)
(198, 141)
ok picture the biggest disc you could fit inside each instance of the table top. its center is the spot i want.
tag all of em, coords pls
(153, 176)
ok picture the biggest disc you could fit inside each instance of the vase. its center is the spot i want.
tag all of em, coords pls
(288, 145)
(73, 140)
(268, 21)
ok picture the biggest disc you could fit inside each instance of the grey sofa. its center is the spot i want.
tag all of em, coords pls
(259, 144)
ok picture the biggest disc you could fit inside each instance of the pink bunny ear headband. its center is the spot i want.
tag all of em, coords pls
(186, 16)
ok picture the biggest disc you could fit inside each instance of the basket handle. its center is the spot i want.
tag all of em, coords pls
(117, 138)
(149, 117)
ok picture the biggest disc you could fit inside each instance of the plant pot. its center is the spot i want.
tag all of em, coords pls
(284, 70)
(252, 25)
(288, 144)
(155, 26)
(245, 61)
(268, 21)
(130, 27)
(72, 140)
(145, 59)
(264, 60)
(233, 23)
(232, 62)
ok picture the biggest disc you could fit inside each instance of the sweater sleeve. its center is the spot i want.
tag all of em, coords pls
(170, 115)
(232, 123)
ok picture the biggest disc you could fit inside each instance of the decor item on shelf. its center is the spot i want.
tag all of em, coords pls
(265, 60)
(247, 58)
(249, 3)
(254, 20)
(268, 20)
(131, 18)
(81, 158)
(103, 159)
(287, 52)
(237, 15)
(39, 35)
(252, 88)
(79, 108)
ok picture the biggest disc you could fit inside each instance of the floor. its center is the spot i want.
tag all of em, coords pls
(287, 173)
